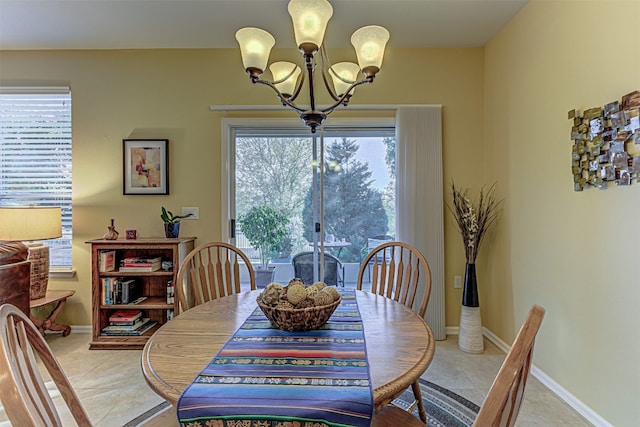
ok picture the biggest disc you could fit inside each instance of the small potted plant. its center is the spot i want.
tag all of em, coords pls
(172, 223)
(265, 228)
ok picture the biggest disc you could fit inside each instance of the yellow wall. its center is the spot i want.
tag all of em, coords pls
(167, 94)
(504, 120)
(575, 253)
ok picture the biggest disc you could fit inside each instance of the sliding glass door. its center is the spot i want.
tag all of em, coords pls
(336, 188)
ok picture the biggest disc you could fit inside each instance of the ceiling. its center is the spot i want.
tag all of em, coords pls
(141, 24)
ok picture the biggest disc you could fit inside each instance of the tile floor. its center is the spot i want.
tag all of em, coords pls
(113, 391)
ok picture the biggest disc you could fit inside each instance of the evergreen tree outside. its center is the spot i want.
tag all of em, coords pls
(353, 210)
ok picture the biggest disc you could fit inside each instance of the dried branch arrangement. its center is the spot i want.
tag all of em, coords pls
(474, 219)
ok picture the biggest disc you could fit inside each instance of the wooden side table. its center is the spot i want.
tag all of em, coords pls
(53, 296)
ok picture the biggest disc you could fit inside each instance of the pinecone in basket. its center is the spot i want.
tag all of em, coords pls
(296, 293)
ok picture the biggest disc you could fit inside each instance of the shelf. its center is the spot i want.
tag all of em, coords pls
(116, 273)
(150, 284)
(126, 342)
(150, 303)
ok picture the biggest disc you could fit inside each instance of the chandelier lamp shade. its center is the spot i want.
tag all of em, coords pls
(310, 19)
(29, 223)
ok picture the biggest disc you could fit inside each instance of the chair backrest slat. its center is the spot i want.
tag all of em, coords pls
(413, 279)
(208, 281)
(401, 292)
(387, 278)
(236, 274)
(218, 286)
(211, 271)
(228, 269)
(375, 277)
(396, 271)
(24, 396)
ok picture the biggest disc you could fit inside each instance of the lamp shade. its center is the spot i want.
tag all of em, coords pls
(369, 43)
(344, 71)
(310, 19)
(255, 47)
(281, 70)
(30, 223)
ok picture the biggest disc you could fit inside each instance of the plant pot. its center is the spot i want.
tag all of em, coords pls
(264, 277)
(470, 337)
(172, 231)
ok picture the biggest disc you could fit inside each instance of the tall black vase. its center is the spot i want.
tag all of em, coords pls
(470, 290)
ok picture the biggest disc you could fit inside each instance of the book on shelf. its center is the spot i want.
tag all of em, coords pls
(118, 290)
(170, 292)
(136, 332)
(141, 262)
(139, 269)
(128, 291)
(106, 261)
(109, 288)
(125, 323)
(125, 316)
(138, 323)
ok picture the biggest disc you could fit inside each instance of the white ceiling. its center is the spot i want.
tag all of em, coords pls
(137, 24)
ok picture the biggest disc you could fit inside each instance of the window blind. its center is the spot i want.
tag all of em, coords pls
(35, 156)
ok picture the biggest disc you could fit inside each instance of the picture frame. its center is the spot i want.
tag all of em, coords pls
(145, 166)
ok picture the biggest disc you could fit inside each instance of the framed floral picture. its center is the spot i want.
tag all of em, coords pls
(145, 166)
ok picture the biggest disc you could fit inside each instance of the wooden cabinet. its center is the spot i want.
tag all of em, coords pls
(152, 285)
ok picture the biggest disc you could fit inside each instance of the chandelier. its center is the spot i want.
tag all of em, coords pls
(310, 18)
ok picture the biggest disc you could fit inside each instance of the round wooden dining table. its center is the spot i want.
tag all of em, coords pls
(400, 344)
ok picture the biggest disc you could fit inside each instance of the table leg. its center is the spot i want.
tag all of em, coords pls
(50, 322)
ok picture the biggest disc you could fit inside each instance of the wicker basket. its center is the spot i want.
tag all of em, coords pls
(298, 319)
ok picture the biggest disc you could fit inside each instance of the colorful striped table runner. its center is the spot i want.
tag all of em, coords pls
(265, 377)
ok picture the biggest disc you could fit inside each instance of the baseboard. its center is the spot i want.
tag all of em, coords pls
(589, 414)
(451, 330)
(81, 329)
(496, 340)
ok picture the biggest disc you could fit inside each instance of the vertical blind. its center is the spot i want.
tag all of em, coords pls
(420, 220)
(35, 156)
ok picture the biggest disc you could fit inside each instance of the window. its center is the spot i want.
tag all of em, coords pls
(352, 201)
(35, 156)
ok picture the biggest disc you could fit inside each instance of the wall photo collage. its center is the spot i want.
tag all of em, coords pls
(606, 144)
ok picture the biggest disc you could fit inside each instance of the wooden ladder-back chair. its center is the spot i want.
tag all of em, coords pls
(211, 271)
(397, 271)
(502, 404)
(24, 394)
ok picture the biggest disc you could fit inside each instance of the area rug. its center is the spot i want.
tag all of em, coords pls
(444, 407)
(148, 416)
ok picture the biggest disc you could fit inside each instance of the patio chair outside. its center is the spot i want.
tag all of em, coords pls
(303, 268)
